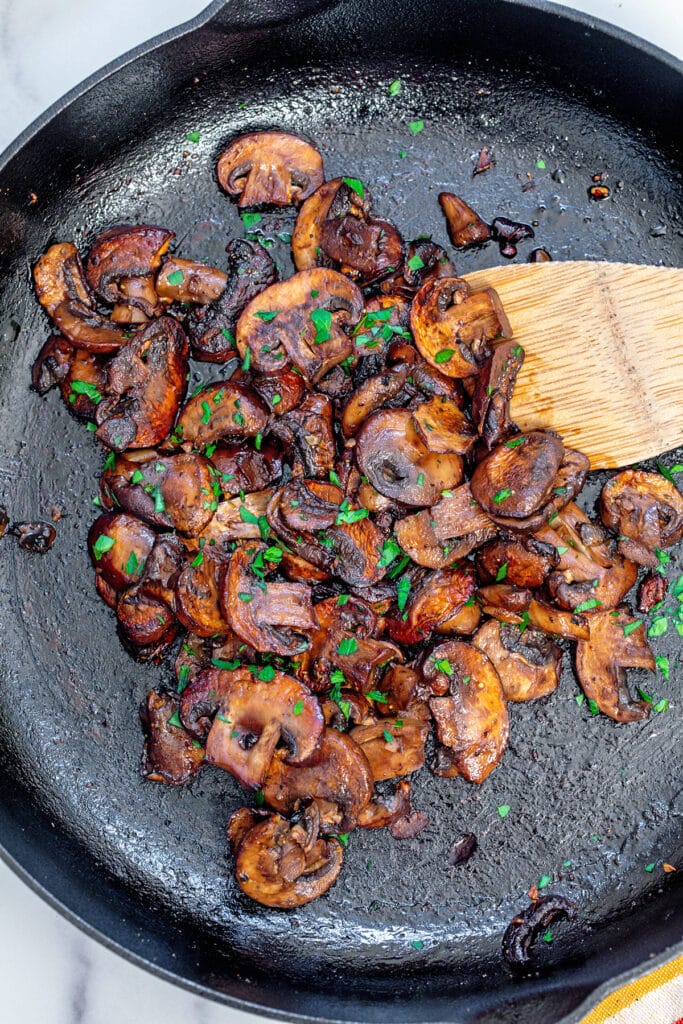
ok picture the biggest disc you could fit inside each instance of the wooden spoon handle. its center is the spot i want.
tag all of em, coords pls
(604, 354)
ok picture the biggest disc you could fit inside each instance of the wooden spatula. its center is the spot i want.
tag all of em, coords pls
(604, 354)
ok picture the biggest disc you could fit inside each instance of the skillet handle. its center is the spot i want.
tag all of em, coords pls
(238, 15)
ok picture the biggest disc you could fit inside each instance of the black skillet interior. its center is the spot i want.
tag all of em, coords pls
(144, 865)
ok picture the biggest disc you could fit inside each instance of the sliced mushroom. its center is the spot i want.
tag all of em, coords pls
(508, 233)
(222, 410)
(171, 755)
(309, 430)
(337, 776)
(59, 277)
(245, 469)
(394, 747)
(146, 623)
(425, 261)
(504, 602)
(282, 391)
(472, 719)
(443, 426)
(140, 295)
(211, 328)
(465, 227)
(399, 465)
(493, 393)
(646, 510)
(651, 591)
(306, 237)
(434, 603)
(383, 810)
(525, 927)
(279, 866)
(302, 321)
(174, 492)
(85, 328)
(556, 621)
(189, 281)
(245, 716)
(52, 364)
(516, 482)
(455, 328)
(569, 481)
(371, 395)
(273, 168)
(527, 663)
(197, 596)
(270, 617)
(146, 385)
(236, 519)
(616, 642)
(449, 530)
(84, 384)
(123, 252)
(119, 545)
(520, 561)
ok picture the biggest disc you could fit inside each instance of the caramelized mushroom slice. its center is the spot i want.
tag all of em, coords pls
(52, 364)
(174, 492)
(527, 663)
(425, 261)
(436, 601)
(449, 530)
(222, 410)
(147, 625)
(338, 777)
(493, 393)
(59, 277)
(119, 545)
(515, 482)
(197, 596)
(123, 252)
(646, 510)
(520, 561)
(371, 395)
(443, 426)
(273, 867)
(454, 328)
(383, 810)
(306, 237)
(394, 749)
(282, 391)
(557, 622)
(236, 519)
(270, 167)
(465, 227)
(569, 481)
(399, 465)
(86, 329)
(287, 322)
(245, 469)
(211, 328)
(472, 719)
(171, 755)
(274, 618)
(309, 429)
(146, 385)
(189, 281)
(504, 602)
(245, 716)
(84, 384)
(615, 643)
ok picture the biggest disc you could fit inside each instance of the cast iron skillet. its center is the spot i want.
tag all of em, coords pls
(143, 867)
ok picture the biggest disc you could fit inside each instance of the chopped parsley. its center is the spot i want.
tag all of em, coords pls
(355, 185)
(348, 645)
(177, 277)
(503, 810)
(444, 355)
(298, 707)
(416, 127)
(502, 573)
(502, 495)
(175, 720)
(81, 387)
(395, 87)
(267, 314)
(103, 544)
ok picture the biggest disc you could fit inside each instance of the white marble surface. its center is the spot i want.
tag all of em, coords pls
(49, 971)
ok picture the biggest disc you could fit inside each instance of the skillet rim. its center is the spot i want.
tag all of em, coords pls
(204, 18)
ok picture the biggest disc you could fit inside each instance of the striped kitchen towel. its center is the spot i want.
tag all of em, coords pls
(656, 998)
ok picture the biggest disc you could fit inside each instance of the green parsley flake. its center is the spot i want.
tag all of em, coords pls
(355, 185)
(81, 387)
(661, 705)
(103, 544)
(544, 880)
(593, 707)
(416, 127)
(137, 477)
(343, 599)
(444, 355)
(298, 707)
(193, 136)
(348, 645)
(246, 362)
(402, 154)
(548, 935)
(540, 163)
(415, 263)
(175, 720)
(197, 560)
(206, 412)
(503, 810)
(659, 626)
(132, 565)
(267, 314)
(177, 277)
(662, 663)
(183, 678)
(387, 736)
(502, 495)
(630, 627)
(402, 592)
(502, 573)
(322, 321)
(226, 666)
(515, 442)
(159, 504)
(586, 606)
(343, 838)
(417, 944)
(377, 695)
(580, 698)
(650, 867)
(395, 87)
(245, 597)
(250, 219)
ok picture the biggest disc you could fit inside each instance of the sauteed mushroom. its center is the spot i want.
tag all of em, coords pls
(171, 755)
(124, 252)
(433, 605)
(59, 277)
(309, 430)
(119, 545)
(465, 227)
(646, 510)
(52, 364)
(616, 642)
(173, 492)
(493, 393)
(528, 664)
(394, 749)
(189, 281)
(223, 410)
(270, 167)
(520, 561)
(197, 596)
(449, 530)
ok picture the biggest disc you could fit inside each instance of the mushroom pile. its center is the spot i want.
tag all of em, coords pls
(344, 538)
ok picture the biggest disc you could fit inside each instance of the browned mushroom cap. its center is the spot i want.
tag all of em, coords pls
(443, 426)
(615, 644)
(282, 390)
(147, 382)
(245, 715)
(280, 865)
(438, 598)
(197, 596)
(454, 328)
(449, 530)
(147, 625)
(245, 469)
(371, 395)
(171, 755)
(309, 430)
(514, 482)
(189, 281)
(140, 295)
(394, 749)
(504, 602)
(236, 519)
(222, 410)
(84, 384)
(86, 329)
(383, 810)
(52, 364)
(425, 261)
(493, 393)
(588, 574)
(465, 227)
(59, 277)
(301, 320)
(129, 250)
(211, 328)
(520, 561)
(556, 621)
(472, 721)
(646, 510)
(119, 545)
(270, 617)
(270, 167)
(569, 481)
(337, 776)
(398, 464)
(307, 234)
(527, 663)
(174, 492)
